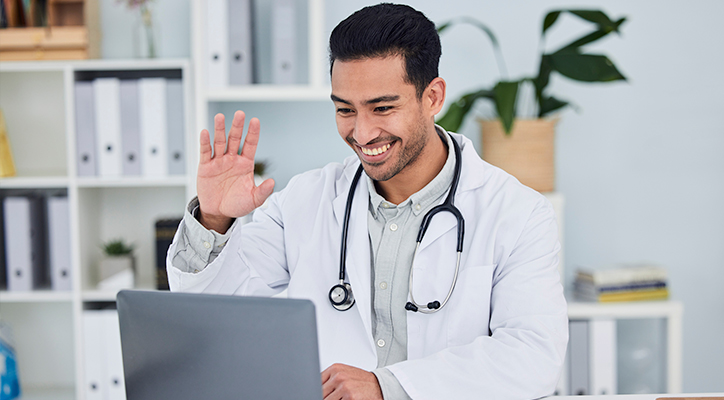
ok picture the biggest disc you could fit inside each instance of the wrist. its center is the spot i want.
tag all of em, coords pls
(218, 223)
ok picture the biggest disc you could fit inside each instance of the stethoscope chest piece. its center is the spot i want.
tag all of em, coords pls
(341, 296)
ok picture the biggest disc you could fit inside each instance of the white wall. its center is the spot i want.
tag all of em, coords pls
(641, 166)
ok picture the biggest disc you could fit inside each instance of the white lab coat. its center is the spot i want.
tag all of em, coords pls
(503, 333)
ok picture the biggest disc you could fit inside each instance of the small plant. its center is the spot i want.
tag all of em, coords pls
(117, 247)
(260, 168)
(569, 61)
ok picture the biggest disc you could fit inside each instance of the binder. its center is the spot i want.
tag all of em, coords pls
(114, 357)
(3, 269)
(85, 135)
(108, 126)
(94, 356)
(241, 53)
(130, 128)
(284, 54)
(165, 232)
(59, 243)
(578, 347)
(25, 243)
(175, 125)
(603, 357)
(217, 43)
(152, 110)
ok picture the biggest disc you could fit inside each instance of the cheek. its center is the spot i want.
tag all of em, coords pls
(344, 126)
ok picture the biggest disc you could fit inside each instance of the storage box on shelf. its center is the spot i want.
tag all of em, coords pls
(38, 101)
(64, 30)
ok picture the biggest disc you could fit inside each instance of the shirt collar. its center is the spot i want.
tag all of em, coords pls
(428, 194)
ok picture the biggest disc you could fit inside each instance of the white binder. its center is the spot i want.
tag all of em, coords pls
(24, 243)
(152, 107)
(579, 351)
(284, 49)
(59, 243)
(603, 357)
(217, 43)
(85, 135)
(241, 55)
(130, 128)
(114, 357)
(94, 356)
(175, 124)
(108, 126)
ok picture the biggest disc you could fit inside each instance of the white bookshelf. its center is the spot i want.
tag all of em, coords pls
(38, 104)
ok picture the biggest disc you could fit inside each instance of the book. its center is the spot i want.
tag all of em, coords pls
(7, 165)
(622, 274)
(165, 231)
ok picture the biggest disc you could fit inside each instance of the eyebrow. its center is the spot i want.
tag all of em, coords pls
(376, 100)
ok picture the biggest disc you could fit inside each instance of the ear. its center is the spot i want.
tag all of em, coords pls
(434, 96)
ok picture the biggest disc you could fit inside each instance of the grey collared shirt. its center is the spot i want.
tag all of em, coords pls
(392, 232)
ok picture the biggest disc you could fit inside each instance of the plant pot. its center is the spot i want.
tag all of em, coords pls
(116, 272)
(527, 153)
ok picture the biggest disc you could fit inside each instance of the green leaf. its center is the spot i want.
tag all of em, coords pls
(443, 26)
(457, 111)
(592, 37)
(550, 19)
(506, 93)
(544, 74)
(548, 104)
(596, 16)
(585, 67)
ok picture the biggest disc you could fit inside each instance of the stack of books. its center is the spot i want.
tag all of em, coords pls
(621, 283)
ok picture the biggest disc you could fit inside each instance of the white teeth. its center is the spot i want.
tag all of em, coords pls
(377, 151)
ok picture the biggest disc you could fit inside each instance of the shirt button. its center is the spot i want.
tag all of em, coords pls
(207, 245)
(381, 343)
(393, 227)
(383, 285)
(418, 207)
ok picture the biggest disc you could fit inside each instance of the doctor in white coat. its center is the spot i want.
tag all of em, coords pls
(503, 332)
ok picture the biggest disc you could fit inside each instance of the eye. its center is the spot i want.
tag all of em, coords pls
(344, 111)
(383, 108)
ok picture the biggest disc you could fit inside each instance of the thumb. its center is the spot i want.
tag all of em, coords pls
(262, 192)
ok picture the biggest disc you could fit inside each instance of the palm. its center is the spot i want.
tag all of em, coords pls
(225, 181)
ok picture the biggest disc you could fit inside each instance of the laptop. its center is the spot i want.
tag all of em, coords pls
(198, 346)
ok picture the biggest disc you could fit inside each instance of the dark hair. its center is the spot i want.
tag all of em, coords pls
(387, 30)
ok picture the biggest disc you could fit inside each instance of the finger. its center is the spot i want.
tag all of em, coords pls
(205, 145)
(237, 128)
(262, 192)
(219, 135)
(251, 140)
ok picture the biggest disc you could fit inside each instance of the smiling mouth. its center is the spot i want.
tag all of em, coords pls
(376, 151)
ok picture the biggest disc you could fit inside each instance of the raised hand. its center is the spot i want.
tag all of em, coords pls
(225, 181)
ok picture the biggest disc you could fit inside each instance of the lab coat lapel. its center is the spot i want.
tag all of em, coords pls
(472, 176)
(358, 245)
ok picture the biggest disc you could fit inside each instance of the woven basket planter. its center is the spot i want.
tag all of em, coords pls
(527, 153)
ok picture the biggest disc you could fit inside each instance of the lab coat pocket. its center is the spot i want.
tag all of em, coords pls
(469, 305)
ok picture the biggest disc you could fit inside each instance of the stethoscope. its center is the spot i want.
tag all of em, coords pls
(341, 294)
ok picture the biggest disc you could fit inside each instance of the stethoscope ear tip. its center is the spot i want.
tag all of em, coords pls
(410, 307)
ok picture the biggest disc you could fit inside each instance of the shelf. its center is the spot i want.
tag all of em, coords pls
(37, 296)
(60, 393)
(633, 309)
(161, 181)
(269, 93)
(93, 65)
(30, 182)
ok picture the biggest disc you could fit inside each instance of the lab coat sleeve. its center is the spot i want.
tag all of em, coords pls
(524, 354)
(248, 264)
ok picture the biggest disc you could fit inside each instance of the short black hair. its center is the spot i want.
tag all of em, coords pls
(387, 30)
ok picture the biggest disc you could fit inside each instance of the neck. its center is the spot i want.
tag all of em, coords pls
(417, 174)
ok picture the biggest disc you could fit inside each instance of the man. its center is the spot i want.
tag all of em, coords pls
(501, 334)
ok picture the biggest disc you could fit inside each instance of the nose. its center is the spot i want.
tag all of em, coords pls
(364, 129)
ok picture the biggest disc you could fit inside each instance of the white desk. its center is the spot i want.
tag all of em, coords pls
(709, 396)
(670, 309)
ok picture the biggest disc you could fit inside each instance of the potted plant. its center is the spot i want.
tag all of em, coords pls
(514, 143)
(117, 268)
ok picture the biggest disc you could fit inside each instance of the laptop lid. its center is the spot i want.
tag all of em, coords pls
(199, 346)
